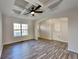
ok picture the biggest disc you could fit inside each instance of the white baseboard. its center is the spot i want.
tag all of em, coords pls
(18, 39)
(61, 41)
(13, 42)
(44, 37)
(1, 52)
(72, 51)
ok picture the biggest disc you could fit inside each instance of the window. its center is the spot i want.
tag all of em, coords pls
(17, 29)
(20, 29)
(24, 29)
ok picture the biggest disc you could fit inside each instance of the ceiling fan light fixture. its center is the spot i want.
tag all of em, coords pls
(32, 12)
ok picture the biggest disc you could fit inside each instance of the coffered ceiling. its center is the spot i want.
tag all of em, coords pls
(10, 7)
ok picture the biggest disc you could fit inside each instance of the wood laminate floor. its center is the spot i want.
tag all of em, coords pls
(37, 49)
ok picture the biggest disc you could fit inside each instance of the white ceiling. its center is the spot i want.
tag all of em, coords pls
(6, 7)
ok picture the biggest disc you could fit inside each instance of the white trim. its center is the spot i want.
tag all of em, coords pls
(23, 39)
(72, 50)
(14, 42)
(1, 51)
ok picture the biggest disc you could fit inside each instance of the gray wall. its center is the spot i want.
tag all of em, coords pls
(44, 29)
(0, 34)
(73, 31)
(72, 15)
(8, 29)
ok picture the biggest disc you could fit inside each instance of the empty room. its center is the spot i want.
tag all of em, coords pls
(38, 29)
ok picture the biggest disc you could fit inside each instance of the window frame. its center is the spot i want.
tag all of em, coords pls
(20, 30)
(24, 29)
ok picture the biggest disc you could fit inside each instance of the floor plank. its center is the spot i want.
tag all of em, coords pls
(37, 49)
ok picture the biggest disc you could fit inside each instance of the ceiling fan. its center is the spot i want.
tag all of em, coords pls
(24, 8)
(33, 9)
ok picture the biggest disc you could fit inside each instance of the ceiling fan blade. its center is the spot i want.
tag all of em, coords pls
(32, 7)
(38, 11)
(38, 7)
(26, 13)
